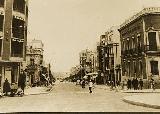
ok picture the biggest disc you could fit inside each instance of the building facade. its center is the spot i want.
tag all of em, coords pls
(88, 62)
(140, 43)
(109, 52)
(34, 60)
(112, 56)
(13, 38)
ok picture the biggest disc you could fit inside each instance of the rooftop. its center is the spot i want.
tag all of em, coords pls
(149, 10)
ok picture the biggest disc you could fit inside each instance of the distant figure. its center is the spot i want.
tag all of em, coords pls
(136, 84)
(133, 83)
(6, 87)
(22, 80)
(78, 82)
(140, 84)
(152, 84)
(125, 84)
(122, 84)
(129, 84)
(83, 84)
(90, 86)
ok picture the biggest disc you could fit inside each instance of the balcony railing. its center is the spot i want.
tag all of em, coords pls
(16, 55)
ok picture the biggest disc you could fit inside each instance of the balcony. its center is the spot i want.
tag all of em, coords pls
(150, 51)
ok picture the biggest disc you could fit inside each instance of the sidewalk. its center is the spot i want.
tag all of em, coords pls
(150, 100)
(141, 91)
(37, 90)
(105, 87)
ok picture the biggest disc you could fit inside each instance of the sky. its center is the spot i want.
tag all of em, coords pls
(67, 27)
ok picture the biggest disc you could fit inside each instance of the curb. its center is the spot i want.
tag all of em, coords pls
(139, 92)
(141, 104)
(46, 92)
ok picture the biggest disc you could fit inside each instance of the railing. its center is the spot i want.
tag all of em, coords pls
(16, 55)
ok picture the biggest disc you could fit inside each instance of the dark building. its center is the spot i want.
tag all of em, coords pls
(13, 37)
(140, 45)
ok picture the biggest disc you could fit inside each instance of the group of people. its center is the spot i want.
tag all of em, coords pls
(15, 88)
(134, 83)
(84, 82)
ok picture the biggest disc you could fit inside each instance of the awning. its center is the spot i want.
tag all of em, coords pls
(91, 74)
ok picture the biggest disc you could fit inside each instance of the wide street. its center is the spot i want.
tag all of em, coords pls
(67, 97)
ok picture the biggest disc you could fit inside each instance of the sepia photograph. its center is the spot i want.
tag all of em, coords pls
(79, 56)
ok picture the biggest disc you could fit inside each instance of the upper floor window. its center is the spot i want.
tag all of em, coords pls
(154, 67)
(18, 28)
(1, 3)
(1, 22)
(152, 41)
(19, 5)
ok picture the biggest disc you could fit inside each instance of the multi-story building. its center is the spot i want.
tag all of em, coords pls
(140, 43)
(112, 56)
(34, 60)
(88, 62)
(109, 56)
(13, 37)
(100, 60)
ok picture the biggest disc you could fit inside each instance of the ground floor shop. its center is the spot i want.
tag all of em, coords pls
(145, 68)
(9, 71)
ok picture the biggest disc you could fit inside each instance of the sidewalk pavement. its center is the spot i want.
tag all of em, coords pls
(141, 91)
(105, 87)
(37, 90)
(150, 100)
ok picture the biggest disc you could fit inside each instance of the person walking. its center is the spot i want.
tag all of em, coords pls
(6, 87)
(90, 86)
(140, 84)
(152, 84)
(22, 80)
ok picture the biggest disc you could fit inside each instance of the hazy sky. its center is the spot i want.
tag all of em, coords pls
(68, 26)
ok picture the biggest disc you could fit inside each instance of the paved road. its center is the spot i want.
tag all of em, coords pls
(67, 97)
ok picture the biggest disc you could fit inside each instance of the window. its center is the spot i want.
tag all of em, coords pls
(1, 3)
(1, 22)
(16, 49)
(19, 5)
(152, 41)
(154, 67)
(139, 44)
(18, 28)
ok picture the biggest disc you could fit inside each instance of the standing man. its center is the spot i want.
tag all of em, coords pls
(6, 87)
(141, 84)
(22, 80)
(90, 86)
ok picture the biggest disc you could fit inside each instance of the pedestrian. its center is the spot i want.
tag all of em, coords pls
(90, 86)
(133, 83)
(122, 84)
(136, 84)
(6, 87)
(152, 84)
(125, 84)
(129, 84)
(140, 84)
(83, 84)
(22, 80)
